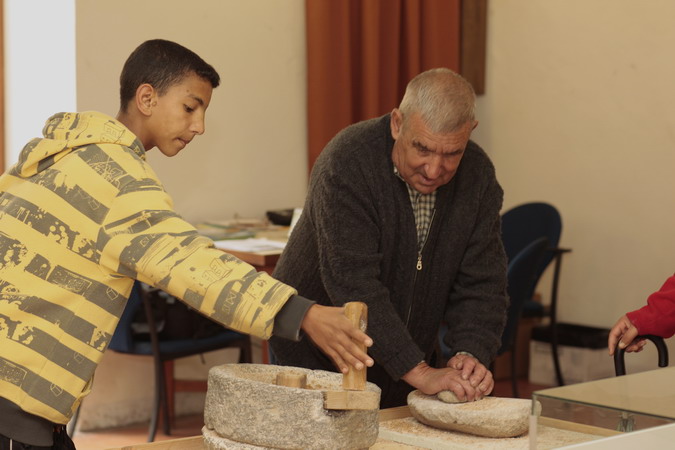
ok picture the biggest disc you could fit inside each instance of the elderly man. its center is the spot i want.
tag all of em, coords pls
(403, 214)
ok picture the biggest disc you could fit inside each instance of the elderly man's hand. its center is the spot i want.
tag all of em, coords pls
(430, 381)
(474, 372)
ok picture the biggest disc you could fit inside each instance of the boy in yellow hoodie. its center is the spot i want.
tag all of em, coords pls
(82, 215)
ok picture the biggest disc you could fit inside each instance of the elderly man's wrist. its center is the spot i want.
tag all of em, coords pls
(415, 374)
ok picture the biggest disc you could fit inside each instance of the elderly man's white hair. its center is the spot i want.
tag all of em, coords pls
(443, 98)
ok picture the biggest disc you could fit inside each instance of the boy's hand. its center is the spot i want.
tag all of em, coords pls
(624, 333)
(332, 332)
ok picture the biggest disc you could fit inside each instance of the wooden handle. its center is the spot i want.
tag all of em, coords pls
(357, 313)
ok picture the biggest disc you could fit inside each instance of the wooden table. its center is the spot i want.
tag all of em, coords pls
(261, 261)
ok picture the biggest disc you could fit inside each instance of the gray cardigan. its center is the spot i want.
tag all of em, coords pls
(356, 241)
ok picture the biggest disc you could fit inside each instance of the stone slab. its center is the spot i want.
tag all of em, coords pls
(244, 405)
(409, 431)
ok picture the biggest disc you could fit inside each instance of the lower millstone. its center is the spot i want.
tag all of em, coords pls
(244, 405)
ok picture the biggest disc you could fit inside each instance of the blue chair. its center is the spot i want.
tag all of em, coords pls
(164, 352)
(520, 226)
(522, 276)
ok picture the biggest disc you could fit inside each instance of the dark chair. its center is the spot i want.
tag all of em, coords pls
(521, 225)
(521, 278)
(164, 352)
(619, 353)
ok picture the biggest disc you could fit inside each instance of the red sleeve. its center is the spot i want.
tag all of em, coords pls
(658, 316)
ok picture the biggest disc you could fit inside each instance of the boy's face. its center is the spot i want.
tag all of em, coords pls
(178, 115)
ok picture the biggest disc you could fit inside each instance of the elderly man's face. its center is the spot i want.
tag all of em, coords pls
(424, 159)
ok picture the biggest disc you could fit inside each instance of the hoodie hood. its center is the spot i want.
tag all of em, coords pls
(65, 132)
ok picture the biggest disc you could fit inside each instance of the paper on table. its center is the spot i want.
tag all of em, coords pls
(253, 245)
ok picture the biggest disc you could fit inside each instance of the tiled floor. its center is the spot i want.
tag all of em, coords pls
(192, 425)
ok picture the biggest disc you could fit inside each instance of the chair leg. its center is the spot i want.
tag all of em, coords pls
(553, 326)
(245, 351)
(554, 352)
(265, 347)
(159, 389)
(514, 372)
(170, 397)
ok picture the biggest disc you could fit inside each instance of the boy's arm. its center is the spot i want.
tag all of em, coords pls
(143, 238)
(327, 327)
(169, 254)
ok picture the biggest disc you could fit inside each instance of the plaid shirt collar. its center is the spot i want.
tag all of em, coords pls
(423, 207)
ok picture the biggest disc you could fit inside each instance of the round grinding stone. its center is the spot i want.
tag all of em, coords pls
(244, 405)
(490, 417)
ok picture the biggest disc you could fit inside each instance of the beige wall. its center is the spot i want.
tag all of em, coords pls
(253, 155)
(580, 112)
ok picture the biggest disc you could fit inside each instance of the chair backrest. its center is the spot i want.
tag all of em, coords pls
(524, 223)
(122, 340)
(522, 278)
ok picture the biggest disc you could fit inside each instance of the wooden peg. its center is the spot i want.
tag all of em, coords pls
(357, 313)
(290, 379)
(344, 400)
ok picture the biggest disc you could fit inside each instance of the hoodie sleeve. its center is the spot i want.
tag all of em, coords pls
(144, 238)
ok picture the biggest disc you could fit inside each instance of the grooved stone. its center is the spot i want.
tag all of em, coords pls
(214, 441)
(490, 417)
(244, 405)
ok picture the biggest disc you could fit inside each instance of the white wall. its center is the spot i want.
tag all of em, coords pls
(253, 155)
(579, 111)
(39, 67)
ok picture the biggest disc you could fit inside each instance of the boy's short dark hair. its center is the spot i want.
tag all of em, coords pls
(161, 64)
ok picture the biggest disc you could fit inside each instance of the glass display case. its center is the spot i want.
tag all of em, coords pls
(587, 411)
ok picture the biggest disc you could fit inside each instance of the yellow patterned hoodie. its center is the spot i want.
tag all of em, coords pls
(82, 215)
